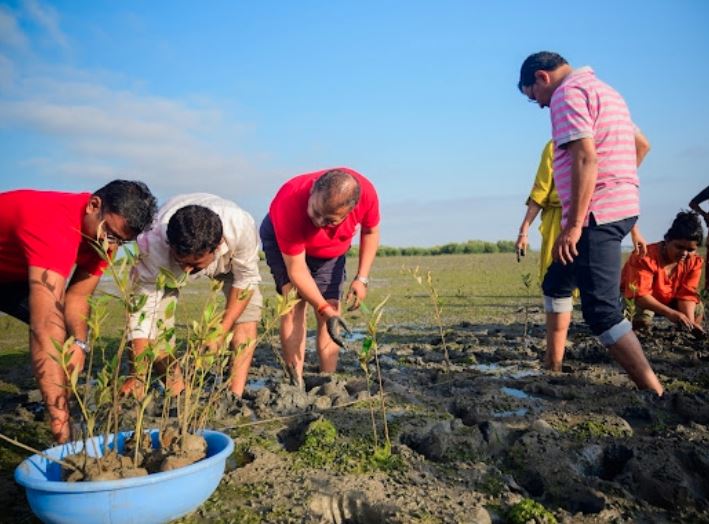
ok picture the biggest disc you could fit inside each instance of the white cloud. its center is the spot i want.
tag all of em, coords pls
(47, 18)
(10, 33)
(96, 131)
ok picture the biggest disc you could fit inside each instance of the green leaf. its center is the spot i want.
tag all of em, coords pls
(170, 309)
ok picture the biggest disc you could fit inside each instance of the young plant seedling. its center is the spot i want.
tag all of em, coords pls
(426, 281)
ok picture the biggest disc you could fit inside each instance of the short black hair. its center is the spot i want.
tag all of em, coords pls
(686, 226)
(194, 230)
(541, 61)
(339, 188)
(130, 199)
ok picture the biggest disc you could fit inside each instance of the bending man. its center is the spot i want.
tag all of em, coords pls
(305, 236)
(43, 235)
(205, 236)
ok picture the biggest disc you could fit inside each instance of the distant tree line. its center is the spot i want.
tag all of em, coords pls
(453, 248)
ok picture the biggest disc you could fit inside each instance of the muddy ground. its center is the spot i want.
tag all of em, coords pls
(474, 443)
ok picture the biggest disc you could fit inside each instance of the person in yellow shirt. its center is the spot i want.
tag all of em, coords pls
(544, 198)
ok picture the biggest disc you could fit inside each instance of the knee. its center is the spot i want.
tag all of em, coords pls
(558, 305)
(614, 333)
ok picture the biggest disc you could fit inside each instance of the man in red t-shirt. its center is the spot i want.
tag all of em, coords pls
(306, 235)
(43, 235)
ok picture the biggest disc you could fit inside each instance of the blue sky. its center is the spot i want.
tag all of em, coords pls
(234, 97)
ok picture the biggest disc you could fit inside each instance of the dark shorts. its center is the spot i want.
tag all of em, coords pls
(596, 272)
(329, 273)
(14, 299)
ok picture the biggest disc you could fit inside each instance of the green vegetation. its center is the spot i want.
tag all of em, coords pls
(453, 248)
(529, 510)
(435, 298)
(683, 385)
(592, 428)
(324, 447)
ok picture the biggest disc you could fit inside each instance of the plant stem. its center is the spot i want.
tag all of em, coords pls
(36, 452)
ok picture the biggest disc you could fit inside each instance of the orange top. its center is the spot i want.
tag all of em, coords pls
(651, 279)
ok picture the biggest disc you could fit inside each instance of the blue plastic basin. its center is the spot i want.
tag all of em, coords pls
(159, 497)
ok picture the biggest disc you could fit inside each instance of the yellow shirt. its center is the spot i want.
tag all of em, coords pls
(544, 194)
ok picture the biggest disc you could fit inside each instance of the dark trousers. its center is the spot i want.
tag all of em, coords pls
(14, 299)
(596, 272)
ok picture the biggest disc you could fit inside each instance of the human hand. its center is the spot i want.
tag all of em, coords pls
(639, 242)
(78, 357)
(698, 330)
(682, 320)
(564, 249)
(60, 429)
(333, 329)
(356, 294)
(521, 245)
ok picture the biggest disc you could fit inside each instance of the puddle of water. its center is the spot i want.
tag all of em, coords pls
(497, 369)
(355, 336)
(514, 392)
(520, 412)
(526, 373)
(256, 383)
(487, 368)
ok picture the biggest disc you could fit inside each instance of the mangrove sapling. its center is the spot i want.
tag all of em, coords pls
(630, 308)
(272, 312)
(426, 281)
(370, 348)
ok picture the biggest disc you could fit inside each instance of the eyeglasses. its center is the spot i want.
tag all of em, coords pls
(105, 232)
(531, 99)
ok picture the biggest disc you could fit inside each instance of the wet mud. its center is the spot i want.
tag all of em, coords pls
(473, 441)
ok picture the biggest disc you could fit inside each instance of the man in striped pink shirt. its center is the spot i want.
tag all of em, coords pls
(596, 153)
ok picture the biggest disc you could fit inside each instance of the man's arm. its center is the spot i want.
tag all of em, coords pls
(642, 147)
(703, 196)
(77, 309)
(47, 327)
(236, 303)
(584, 171)
(368, 245)
(302, 280)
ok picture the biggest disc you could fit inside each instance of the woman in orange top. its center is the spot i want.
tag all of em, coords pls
(665, 281)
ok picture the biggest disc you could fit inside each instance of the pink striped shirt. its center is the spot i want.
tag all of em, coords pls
(584, 107)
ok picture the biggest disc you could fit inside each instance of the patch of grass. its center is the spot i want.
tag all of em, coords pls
(319, 447)
(492, 484)
(220, 507)
(682, 385)
(245, 439)
(590, 428)
(7, 389)
(324, 448)
(529, 510)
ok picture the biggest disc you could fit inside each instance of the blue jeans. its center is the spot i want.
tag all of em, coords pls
(596, 272)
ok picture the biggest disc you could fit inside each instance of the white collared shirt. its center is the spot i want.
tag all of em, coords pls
(237, 254)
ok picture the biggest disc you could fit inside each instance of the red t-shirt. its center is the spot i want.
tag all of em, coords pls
(43, 229)
(294, 230)
(649, 277)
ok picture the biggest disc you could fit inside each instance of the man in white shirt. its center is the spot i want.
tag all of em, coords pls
(202, 235)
